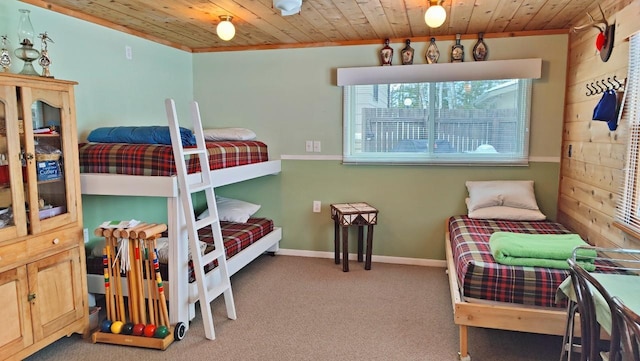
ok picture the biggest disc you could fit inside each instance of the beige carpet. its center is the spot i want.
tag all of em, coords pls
(296, 308)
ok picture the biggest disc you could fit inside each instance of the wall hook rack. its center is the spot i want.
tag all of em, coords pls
(601, 85)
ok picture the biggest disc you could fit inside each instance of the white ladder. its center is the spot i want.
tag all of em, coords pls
(187, 187)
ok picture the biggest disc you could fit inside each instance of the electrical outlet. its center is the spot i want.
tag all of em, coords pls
(128, 53)
(85, 234)
(309, 146)
(316, 146)
(316, 206)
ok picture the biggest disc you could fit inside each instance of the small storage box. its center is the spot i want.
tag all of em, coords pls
(48, 170)
(48, 213)
(94, 317)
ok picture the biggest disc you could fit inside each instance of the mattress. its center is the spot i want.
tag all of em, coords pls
(158, 160)
(480, 277)
(236, 237)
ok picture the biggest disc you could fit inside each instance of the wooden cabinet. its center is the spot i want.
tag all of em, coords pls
(43, 290)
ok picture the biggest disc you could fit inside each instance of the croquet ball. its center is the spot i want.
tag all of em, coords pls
(127, 328)
(105, 326)
(149, 330)
(138, 329)
(161, 332)
(116, 326)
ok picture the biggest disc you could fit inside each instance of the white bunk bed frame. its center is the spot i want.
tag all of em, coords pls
(182, 294)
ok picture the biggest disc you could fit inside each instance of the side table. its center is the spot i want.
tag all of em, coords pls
(353, 214)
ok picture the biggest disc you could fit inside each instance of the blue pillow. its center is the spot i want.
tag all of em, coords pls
(139, 135)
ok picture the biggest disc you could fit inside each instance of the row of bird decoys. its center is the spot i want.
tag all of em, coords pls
(601, 86)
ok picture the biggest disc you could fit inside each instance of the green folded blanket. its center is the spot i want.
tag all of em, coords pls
(539, 250)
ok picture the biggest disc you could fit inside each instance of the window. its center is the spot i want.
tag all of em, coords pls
(446, 122)
(628, 212)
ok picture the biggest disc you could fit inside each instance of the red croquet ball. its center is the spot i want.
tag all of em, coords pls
(138, 329)
(149, 330)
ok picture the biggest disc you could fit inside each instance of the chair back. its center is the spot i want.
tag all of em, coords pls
(607, 260)
(629, 331)
(589, 328)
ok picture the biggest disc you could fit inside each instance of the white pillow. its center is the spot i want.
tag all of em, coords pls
(507, 213)
(228, 134)
(162, 245)
(516, 194)
(232, 210)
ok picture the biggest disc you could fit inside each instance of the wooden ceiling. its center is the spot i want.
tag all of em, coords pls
(190, 25)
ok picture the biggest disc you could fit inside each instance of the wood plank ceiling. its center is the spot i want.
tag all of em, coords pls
(191, 24)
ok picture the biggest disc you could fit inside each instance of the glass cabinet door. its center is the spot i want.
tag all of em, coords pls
(43, 146)
(6, 213)
(12, 207)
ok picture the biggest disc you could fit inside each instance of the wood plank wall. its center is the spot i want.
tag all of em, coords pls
(593, 157)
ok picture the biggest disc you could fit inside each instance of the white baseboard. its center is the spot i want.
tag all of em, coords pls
(353, 256)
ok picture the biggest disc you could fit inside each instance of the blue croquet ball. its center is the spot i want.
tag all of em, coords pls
(105, 326)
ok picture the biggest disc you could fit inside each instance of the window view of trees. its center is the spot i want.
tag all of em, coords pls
(446, 122)
(452, 95)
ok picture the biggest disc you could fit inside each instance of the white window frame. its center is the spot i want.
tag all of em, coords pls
(522, 69)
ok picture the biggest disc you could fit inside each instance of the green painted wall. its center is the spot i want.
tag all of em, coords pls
(289, 96)
(111, 90)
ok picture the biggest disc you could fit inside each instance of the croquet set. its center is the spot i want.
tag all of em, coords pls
(142, 319)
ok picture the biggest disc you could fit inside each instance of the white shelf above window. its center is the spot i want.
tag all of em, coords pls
(440, 72)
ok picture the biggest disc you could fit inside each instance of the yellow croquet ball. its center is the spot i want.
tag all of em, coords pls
(116, 327)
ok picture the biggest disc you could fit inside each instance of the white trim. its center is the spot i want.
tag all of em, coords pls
(544, 159)
(339, 158)
(374, 258)
(310, 157)
(441, 72)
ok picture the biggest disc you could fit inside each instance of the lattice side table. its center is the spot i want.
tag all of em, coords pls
(353, 214)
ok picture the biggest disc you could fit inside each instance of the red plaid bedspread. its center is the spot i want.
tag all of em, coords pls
(481, 277)
(157, 159)
(236, 236)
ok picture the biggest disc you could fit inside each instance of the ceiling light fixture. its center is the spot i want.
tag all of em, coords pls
(288, 7)
(225, 28)
(435, 14)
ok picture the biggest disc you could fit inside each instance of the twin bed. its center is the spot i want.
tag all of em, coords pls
(121, 169)
(488, 294)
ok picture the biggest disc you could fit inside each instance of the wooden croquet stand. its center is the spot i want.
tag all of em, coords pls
(148, 307)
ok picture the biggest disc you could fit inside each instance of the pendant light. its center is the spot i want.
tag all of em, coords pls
(435, 14)
(225, 28)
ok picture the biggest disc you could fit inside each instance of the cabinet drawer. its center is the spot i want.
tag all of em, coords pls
(12, 253)
(52, 242)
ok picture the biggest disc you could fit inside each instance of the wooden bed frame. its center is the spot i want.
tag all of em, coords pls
(510, 317)
(182, 295)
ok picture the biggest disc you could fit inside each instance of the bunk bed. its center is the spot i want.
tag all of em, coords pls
(119, 169)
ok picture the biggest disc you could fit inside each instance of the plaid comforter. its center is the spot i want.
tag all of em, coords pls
(481, 277)
(157, 159)
(236, 236)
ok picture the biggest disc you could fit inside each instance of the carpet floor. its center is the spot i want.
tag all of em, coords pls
(298, 308)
